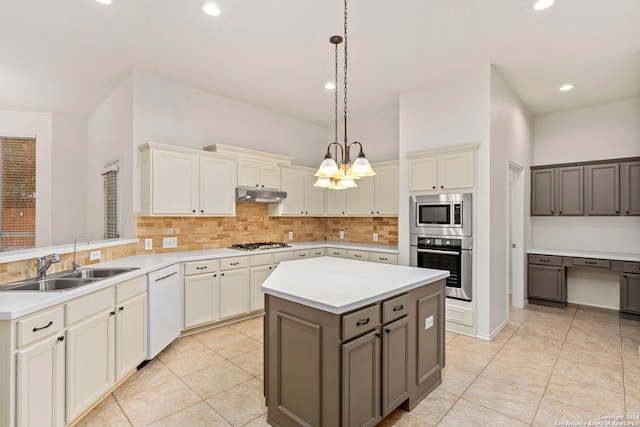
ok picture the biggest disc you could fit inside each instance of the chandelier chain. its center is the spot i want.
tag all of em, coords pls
(345, 72)
(335, 138)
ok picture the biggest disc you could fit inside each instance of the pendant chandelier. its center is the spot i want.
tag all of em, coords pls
(343, 175)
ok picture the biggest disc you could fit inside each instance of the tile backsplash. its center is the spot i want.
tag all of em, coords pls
(252, 223)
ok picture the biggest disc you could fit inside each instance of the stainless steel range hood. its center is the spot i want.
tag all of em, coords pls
(250, 195)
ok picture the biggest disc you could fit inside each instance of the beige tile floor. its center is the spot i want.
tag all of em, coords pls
(548, 365)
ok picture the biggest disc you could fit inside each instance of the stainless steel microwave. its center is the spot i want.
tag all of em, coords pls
(441, 214)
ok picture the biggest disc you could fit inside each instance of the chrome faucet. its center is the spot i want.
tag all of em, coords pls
(75, 242)
(45, 262)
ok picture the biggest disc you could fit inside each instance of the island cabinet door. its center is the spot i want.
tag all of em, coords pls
(395, 364)
(361, 381)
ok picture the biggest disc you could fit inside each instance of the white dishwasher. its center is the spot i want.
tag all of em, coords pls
(163, 290)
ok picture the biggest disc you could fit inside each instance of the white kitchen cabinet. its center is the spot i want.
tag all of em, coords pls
(442, 171)
(130, 334)
(178, 181)
(387, 188)
(302, 197)
(312, 196)
(258, 275)
(201, 293)
(336, 202)
(258, 175)
(89, 361)
(234, 287)
(361, 199)
(41, 383)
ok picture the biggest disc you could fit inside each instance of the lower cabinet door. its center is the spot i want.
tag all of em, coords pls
(131, 334)
(201, 299)
(90, 364)
(258, 276)
(630, 293)
(40, 383)
(395, 364)
(545, 282)
(361, 380)
(234, 292)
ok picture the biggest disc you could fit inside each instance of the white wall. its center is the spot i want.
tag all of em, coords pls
(40, 125)
(601, 132)
(110, 137)
(69, 156)
(511, 141)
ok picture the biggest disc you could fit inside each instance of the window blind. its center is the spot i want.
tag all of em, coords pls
(110, 180)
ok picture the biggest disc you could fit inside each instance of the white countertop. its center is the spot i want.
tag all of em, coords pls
(615, 256)
(14, 304)
(338, 285)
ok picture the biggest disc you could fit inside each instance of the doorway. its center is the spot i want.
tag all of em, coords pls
(515, 235)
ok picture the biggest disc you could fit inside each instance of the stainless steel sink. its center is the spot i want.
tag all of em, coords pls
(53, 284)
(95, 273)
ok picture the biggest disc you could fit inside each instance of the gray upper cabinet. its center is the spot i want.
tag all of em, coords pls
(543, 192)
(570, 190)
(630, 188)
(602, 189)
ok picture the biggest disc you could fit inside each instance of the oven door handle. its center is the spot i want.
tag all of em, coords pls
(433, 251)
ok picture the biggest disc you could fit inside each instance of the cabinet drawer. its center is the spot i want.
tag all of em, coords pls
(39, 326)
(384, 258)
(282, 256)
(317, 252)
(201, 267)
(336, 252)
(545, 260)
(231, 263)
(300, 254)
(590, 262)
(631, 267)
(131, 288)
(395, 308)
(262, 259)
(85, 306)
(359, 322)
(359, 255)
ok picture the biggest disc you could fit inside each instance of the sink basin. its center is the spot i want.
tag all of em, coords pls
(54, 284)
(95, 273)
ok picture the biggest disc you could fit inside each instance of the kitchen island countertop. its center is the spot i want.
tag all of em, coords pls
(338, 285)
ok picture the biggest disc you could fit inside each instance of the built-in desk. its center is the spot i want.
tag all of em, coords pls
(547, 276)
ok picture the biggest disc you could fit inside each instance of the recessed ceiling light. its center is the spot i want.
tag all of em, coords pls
(330, 86)
(210, 8)
(542, 4)
(566, 87)
(104, 1)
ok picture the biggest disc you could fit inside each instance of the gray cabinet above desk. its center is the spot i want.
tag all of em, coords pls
(547, 271)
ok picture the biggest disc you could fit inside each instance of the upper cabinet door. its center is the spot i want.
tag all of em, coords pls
(217, 187)
(293, 184)
(269, 177)
(543, 192)
(630, 188)
(361, 199)
(387, 187)
(602, 189)
(174, 182)
(570, 190)
(456, 170)
(248, 174)
(312, 196)
(423, 174)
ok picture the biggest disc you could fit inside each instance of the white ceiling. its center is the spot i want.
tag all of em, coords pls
(67, 55)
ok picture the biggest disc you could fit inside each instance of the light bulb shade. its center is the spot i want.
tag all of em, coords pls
(323, 181)
(328, 167)
(348, 182)
(362, 167)
(337, 185)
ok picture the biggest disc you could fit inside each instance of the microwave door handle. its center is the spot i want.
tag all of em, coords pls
(433, 251)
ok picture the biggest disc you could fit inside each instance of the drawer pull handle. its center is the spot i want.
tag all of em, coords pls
(302, 255)
(384, 259)
(335, 253)
(61, 338)
(545, 260)
(362, 322)
(591, 262)
(201, 268)
(398, 307)
(234, 263)
(358, 256)
(35, 329)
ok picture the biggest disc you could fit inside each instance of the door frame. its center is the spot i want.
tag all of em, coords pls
(516, 233)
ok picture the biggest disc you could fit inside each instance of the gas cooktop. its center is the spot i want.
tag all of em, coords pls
(258, 246)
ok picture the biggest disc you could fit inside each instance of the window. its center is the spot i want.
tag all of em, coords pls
(110, 181)
(18, 193)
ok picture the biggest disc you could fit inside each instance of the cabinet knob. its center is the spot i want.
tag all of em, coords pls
(194, 211)
(113, 313)
(201, 210)
(222, 274)
(257, 185)
(560, 212)
(262, 185)
(617, 212)
(372, 212)
(215, 275)
(343, 212)
(121, 308)
(442, 186)
(61, 338)
(387, 330)
(627, 211)
(434, 187)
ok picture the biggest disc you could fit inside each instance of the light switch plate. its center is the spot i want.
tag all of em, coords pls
(169, 242)
(94, 255)
(148, 244)
(291, 235)
(428, 322)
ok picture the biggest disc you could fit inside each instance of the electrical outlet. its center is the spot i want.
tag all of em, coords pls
(428, 322)
(169, 242)
(375, 237)
(148, 244)
(94, 255)
(342, 234)
(291, 235)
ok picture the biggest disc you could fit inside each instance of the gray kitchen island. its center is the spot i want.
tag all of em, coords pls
(347, 342)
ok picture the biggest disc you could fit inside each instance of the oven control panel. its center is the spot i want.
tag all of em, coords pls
(438, 242)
